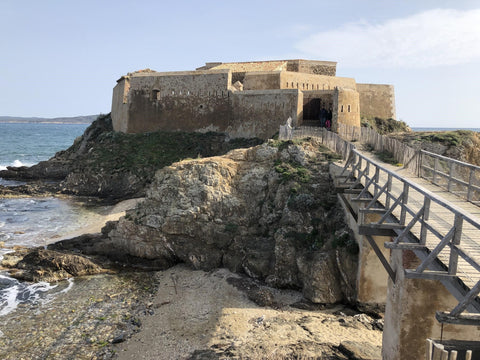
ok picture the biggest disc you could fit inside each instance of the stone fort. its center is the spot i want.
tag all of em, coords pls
(246, 99)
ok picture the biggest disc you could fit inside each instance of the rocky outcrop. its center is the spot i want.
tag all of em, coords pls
(48, 265)
(117, 166)
(269, 211)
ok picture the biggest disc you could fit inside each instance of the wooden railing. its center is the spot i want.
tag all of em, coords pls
(455, 176)
(441, 230)
(451, 350)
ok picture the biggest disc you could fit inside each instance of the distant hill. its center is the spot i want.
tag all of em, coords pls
(87, 119)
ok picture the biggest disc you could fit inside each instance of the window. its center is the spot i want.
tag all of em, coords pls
(348, 108)
(341, 109)
(155, 94)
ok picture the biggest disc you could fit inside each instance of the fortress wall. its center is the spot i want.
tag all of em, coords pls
(120, 105)
(260, 113)
(347, 106)
(188, 101)
(185, 112)
(377, 100)
(262, 80)
(203, 83)
(327, 68)
(289, 80)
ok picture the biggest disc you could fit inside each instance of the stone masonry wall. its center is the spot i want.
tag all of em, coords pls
(377, 101)
(347, 107)
(197, 101)
(120, 105)
(260, 113)
(262, 81)
(301, 81)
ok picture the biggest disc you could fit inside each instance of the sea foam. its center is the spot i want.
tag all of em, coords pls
(40, 293)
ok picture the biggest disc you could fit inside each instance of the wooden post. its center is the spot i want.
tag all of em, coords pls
(403, 212)
(470, 183)
(389, 190)
(429, 353)
(420, 164)
(457, 236)
(453, 355)
(444, 355)
(377, 176)
(426, 216)
(468, 355)
(437, 351)
(451, 174)
(435, 168)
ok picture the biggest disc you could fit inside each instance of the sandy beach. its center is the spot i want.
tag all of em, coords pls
(200, 315)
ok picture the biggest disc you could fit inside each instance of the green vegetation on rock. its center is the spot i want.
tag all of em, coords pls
(385, 126)
(292, 171)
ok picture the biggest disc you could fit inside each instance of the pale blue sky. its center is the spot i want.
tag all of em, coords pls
(62, 58)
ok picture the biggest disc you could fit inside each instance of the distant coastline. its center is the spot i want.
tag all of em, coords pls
(86, 119)
(442, 129)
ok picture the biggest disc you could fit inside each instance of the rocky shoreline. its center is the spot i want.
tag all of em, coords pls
(265, 215)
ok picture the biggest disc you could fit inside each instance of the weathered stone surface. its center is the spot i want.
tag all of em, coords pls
(360, 351)
(48, 265)
(268, 211)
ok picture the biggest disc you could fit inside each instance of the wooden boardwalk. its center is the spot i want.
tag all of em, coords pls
(442, 229)
(441, 218)
(422, 217)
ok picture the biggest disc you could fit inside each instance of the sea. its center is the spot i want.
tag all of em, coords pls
(443, 129)
(34, 221)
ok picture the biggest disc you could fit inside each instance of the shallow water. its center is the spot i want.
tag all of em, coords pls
(79, 320)
(32, 222)
(40, 221)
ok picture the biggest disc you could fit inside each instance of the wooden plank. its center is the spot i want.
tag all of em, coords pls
(429, 352)
(466, 256)
(468, 355)
(444, 355)
(373, 210)
(428, 275)
(382, 259)
(410, 225)
(377, 196)
(453, 262)
(472, 294)
(404, 246)
(352, 191)
(426, 262)
(426, 215)
(361, 199)
(403, 212)
(369, 230)
(437, 351)
(453, 355)
(470, 184)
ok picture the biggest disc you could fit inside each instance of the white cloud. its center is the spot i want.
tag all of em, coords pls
(435, 37)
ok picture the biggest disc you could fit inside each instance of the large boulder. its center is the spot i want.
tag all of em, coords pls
(47, 265)
(269, 211)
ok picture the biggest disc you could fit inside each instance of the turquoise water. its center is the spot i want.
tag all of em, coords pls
(28, 144)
